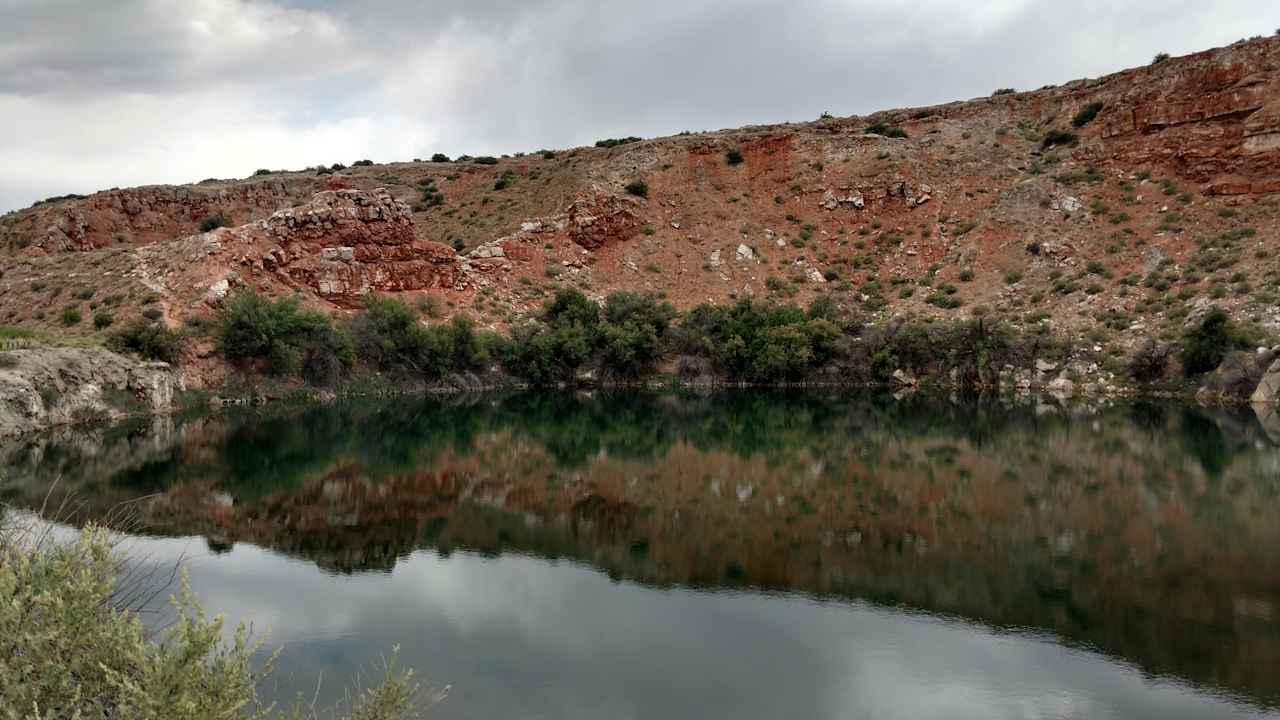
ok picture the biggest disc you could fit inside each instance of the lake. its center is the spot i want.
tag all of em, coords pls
(736, 554)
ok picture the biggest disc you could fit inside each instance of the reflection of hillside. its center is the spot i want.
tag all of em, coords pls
(1145, 531)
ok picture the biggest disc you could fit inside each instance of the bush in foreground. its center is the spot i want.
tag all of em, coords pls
(67, 650)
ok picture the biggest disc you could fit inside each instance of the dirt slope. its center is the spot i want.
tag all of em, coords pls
(1164, 202)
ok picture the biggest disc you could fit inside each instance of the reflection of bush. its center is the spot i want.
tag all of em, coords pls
(277, 449)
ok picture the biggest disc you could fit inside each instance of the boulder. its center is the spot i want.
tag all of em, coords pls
(1269, 418)
(1268, 390)
(1061, 387)
(1236, 378)
(1152, 259)
(902, 378)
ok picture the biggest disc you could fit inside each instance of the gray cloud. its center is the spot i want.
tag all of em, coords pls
(103, 94)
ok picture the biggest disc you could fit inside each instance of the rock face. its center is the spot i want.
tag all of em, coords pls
(1215, 113)
(347, 243)
(150, 214)
(1268, 390)
(600, 220)
(341, 245)
(1242, 376)
(44, 387)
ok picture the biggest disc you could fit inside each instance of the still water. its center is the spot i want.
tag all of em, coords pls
(745, 555)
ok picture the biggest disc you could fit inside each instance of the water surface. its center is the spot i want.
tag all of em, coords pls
(753, 555)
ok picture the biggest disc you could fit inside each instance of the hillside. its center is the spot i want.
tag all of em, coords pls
(1111, 209)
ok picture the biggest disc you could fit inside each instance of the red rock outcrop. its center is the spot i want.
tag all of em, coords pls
(152, 214)
(599, 220)
(339, 247)
(347, 243)
(1213, 116)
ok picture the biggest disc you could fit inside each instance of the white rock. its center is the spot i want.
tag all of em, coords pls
(1061, 387)
(745, 254)
(217, 292)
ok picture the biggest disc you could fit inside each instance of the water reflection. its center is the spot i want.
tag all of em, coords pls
(948, 550)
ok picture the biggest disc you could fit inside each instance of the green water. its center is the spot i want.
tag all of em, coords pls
(737, 554)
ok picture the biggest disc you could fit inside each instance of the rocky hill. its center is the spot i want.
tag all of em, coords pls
(1112, 208)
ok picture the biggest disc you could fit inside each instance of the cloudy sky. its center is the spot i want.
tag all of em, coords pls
(100, 93)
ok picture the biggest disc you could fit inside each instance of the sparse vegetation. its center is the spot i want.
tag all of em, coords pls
(505, 180)
(880, 128)
(638, 187)
(1087, 114)
(148, 340)
(213, 222)
(1206, 343)
(614, 142)
(1058, 137)
(733, 157)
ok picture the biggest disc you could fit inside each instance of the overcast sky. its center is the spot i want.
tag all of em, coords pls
(98, 93)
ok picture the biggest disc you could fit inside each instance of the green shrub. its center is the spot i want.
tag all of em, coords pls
(282, 337)
(614, 142)
(69, 651)
(362, 163)
(1205, 344)
(1087, 114)
(70, 315)
(485, 160)
(213, 222)
(151, 341)
(439, 158)
(261, 171)
(880, 128)
(1058, 137)
(1003, 91)
(388, 336)
(755, 342)
(562, 340)
(1159, 58)
(504, 181)
(631, 332)
(102, 320)
(733, 157)
(639, 188)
